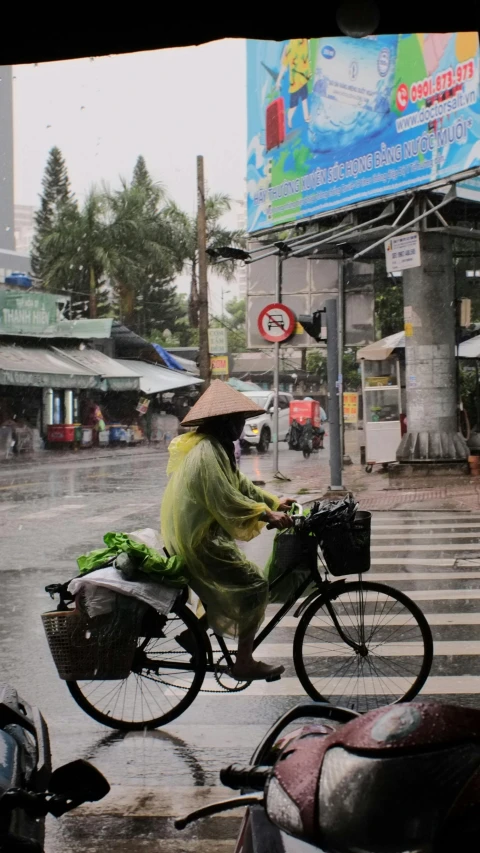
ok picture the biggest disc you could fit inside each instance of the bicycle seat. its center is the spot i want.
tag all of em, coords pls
(402, 778)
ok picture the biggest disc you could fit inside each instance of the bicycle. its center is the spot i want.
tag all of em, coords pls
(342, 627)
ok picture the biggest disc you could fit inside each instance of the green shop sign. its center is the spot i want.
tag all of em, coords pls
(30, 313)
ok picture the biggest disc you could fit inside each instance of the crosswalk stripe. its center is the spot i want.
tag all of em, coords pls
(456, 647)
(441, 685)
(422, 576)
(413, 561)
(456, 547)
(425, 595)
(434, 536)
(397, 516)
(431, 526)
(432, 618)
(142, 801)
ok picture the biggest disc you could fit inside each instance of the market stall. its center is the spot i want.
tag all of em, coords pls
(382, 400)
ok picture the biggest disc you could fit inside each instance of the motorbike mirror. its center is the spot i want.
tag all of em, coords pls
(79, 780)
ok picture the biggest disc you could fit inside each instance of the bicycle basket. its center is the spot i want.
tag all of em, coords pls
(295, 553)
(346, 545)
(85, 649)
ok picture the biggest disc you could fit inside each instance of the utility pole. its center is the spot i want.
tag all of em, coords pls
(333, 396)
(276, 367)
(203, 353)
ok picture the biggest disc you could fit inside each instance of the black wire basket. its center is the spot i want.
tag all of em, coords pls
(346, 545)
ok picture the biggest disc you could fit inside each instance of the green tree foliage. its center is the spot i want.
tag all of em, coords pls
(388, 305)
(234, 320)
(144, 282)
(119, 253)
(56, 200)
(217, 206)
(316, 364)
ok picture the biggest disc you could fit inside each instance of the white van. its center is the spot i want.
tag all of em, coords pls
(258, 430)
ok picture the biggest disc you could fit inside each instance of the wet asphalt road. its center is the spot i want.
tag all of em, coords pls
(51, 513)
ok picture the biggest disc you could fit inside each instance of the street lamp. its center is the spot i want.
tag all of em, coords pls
(223, 292)
(228, 253)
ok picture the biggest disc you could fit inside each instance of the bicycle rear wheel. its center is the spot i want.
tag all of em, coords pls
(151, 695)
(393, 654)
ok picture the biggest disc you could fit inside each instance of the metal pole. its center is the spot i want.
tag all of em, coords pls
(333, 398)
(276, 368)
(341, 337)
(203, 353)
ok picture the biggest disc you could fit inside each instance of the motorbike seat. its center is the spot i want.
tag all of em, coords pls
(398, 779)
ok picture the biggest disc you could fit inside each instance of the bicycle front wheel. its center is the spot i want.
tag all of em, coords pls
(391, 649)
(164, 681)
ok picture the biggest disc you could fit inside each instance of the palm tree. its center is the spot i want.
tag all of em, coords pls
(80, 248)
(216, 206)
(151, 253)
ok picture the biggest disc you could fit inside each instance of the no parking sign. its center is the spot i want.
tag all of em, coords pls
(276, 322)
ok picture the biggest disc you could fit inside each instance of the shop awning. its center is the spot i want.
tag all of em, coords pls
(158, 380)
(43, 368)
(112, 374)
(382, 349)
(64, 368)
(470, 349)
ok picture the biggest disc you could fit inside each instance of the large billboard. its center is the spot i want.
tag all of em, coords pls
(337, 121)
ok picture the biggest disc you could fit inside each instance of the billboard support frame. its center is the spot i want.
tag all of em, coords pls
(450, 196)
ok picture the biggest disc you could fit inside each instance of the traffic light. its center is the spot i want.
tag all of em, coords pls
(312, 323)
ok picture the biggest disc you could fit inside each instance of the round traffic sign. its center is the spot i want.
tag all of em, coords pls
(276, 322)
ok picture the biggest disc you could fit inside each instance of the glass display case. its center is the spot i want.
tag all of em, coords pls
(382, 406)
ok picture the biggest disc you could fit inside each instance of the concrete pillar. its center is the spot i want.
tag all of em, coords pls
(68, 405)
(430, 372)
(47, 417)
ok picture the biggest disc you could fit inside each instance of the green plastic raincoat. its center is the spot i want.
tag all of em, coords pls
(205, 508)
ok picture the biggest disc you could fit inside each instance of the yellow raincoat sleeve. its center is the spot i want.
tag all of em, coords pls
(216, 486)
(248, 489)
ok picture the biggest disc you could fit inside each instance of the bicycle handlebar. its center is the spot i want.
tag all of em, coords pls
(238, 777)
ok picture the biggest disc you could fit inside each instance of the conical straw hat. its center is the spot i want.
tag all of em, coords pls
(220, 399)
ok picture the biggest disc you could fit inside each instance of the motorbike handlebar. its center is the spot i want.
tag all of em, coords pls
(239, 777)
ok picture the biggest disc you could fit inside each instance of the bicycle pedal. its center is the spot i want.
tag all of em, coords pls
(275, 677)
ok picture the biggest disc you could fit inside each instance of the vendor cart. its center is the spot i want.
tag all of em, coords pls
(382, 406)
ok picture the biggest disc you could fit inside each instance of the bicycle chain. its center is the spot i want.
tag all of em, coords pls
(180, 687)
(186, 689)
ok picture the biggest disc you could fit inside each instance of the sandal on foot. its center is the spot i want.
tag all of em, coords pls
(258, 672)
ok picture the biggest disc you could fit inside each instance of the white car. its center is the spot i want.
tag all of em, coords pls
(258, 430)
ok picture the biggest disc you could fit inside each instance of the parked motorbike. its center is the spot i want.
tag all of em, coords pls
(400, 779)
(28, 788)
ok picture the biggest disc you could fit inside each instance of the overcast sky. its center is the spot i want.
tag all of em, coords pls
(168, 105)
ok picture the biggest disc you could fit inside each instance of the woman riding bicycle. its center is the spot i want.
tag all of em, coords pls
(207, 505)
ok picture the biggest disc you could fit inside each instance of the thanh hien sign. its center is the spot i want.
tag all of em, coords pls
(30, 313)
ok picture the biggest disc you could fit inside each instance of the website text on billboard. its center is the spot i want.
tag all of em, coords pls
(332, 122)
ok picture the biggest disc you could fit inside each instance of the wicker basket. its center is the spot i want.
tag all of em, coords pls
(83, 650)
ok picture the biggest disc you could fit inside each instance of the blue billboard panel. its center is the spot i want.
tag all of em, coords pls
(334, 122)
